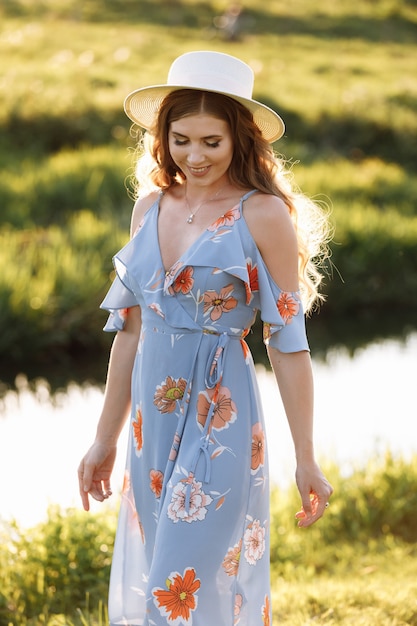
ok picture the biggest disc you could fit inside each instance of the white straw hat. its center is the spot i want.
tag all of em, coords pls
(205, 71)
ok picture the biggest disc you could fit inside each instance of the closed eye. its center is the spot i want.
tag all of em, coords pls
(183, 142)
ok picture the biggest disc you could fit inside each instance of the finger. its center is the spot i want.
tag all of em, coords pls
(107, 488)
(84, 494)
(309, 504)
(96, 491)
(85, 500)
(318, 507)
(87, 478)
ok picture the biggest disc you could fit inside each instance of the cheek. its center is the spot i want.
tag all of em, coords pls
(174, 152)
(227, 157)
(228, 153)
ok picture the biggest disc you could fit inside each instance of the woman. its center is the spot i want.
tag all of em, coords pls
(219, 236)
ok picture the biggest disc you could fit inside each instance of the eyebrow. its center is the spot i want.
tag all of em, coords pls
(205, 138)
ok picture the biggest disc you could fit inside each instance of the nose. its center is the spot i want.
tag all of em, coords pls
(195, 155)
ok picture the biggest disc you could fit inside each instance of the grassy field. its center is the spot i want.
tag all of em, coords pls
(343, 78)
(357, 566)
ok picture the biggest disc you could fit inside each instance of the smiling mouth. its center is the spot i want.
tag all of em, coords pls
(198, 170)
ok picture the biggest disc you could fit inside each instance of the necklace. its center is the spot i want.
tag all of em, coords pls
(192, 214)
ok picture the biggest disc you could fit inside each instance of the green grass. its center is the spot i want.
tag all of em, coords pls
(342, 76)
(380, 593)
(355, 566)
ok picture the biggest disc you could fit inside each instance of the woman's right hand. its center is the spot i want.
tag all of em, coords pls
(94, 473)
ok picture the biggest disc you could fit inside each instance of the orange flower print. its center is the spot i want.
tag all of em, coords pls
(169, 275)
(156, 478)
(266, 612)
(246, 351)
(253, 284)
(198, 502)
(258, 447)
(254, 540)
(225, 410)
(168, 393)
(179, 599)
(137, 424)
(253, 275)
(218, 303)
(238, 606)
(184, 281)
(227, 219)
(288, 306)
(232, 559)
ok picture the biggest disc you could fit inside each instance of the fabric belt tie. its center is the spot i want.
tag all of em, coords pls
(213, 378)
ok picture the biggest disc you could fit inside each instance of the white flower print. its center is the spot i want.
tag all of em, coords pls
(254, 540)
(198, 501)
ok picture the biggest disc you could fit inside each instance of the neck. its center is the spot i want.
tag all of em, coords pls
(194, 206)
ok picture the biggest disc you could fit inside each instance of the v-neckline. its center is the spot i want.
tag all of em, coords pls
(168, 270)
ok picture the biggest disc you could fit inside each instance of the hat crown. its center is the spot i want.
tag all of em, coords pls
(212, 71)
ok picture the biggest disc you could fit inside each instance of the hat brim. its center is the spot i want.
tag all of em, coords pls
(142, 105)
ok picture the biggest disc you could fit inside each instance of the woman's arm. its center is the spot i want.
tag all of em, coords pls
(274, 233)
(96, 467)
(295, 381)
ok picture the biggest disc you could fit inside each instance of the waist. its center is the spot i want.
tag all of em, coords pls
(166, 329)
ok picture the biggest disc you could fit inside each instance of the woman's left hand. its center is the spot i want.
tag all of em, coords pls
(315, 491)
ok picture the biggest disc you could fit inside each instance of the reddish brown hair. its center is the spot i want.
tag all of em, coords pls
(253, 164)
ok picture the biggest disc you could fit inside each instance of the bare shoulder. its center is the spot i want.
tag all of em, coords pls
(273, 231)
(268, 219)
(139, 209)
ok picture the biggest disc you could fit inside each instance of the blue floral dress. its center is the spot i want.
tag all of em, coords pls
(192, 545)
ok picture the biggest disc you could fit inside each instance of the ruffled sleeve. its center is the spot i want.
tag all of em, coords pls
(282, 315)
(118, 299)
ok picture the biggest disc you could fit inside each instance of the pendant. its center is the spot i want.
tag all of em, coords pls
(190, 218)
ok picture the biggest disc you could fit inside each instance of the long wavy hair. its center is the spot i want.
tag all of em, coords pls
(254, 165)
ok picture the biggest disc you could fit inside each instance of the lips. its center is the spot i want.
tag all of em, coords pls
(198, 171)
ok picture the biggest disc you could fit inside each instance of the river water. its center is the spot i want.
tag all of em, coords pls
(364, 405)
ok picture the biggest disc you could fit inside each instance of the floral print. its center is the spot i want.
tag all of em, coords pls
(195, 499)
(215, 304)
(237, 609)
(266, 612)
(170, 275)
(168, 393)
(254, 540)
(198, 501)
(156, 308)
(227, 219)
(253, 284)
(258, 447)
(183, 282)
(177, 602)
(225, 411)
(156, 479)
(288, 306)
(137, 424)
(232, 559)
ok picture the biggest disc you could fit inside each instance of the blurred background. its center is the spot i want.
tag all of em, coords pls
(343, 76)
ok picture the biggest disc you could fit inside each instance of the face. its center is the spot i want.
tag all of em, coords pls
(202, 147)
